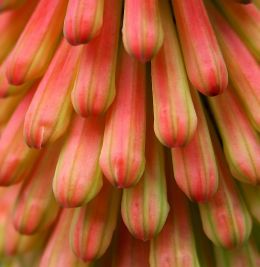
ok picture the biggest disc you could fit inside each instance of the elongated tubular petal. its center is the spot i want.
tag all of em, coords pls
(94, 88)
(175, 245)
(7, 89)
(142, 29)
(17, 244)
(122, 157)
(12, 24)
(7, 200)
(194, 165)
(175, 120)
(245, 20)
(36, 208)
(93, 225)
(83, 21)
(244, 71)
(129, 251)
(241, 143)
(144, 207)
(246, 255)
(37, 44)
(78, 176)
(58, 252)
(225, 217)
(251, 196)
(16, 159)
(203, 59)
(10, 4)
(49, 113)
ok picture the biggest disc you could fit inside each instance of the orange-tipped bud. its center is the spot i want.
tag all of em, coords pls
(58, 252)
(35, 48)
(203, 59)
(36, 208)
(50, 110)
(78, 176)
(244, 71)
(241, 143)
(195, 168)
(175, 120)
(130, 252)
(16, 158)
(245, 20)
(93, 225)
(122, 155)
(225, 217)
(83, 21)
(94, 88)
(144, 207)
(175, 245)
(142, 29)
(12, 24)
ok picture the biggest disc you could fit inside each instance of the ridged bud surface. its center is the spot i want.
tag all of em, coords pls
(194, 165)
(83, 20)
(50, 110)
(37, 43)
(225, 217)
(203, 59)
(142, 28)
(78, 177)
(175, 120)
(122, 157)
(94, 88)
(93, 225)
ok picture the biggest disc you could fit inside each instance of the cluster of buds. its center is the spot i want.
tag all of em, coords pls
(129, 133)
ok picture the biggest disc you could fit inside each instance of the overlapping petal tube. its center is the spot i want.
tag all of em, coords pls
(94, 88)
(244, 71)
(41, 210)
(194, 165)
(175, 119)
(49, 113)
(57, 252)
(129, 251)
(203, 59)
(78, 176)
(16, 158)
(144, 207)
(142, 28)
(122, 157)
(83, 20)
(241, 143)
(225, 218)
(175, 245)
(93, 225)
(38, 42)
(12, 24)
(245, 20)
